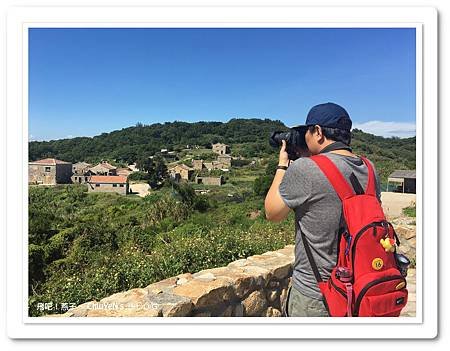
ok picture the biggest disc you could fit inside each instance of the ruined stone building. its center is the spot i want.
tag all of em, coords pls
(209, 180)
(181, 171)
(198, 165)
(220, 149)
(225, 161)
(81, 172)
(104, 168)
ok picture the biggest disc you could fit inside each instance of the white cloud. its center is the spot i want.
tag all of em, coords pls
(388, 129)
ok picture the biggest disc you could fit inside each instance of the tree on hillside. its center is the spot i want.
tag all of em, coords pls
(155, 168)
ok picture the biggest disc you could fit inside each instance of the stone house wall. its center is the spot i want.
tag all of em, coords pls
(49, 174)
(209, 180)
(220, 149)
(63, 173)
(108, 188)
(225, 160)
(38, 174)
(197, 164)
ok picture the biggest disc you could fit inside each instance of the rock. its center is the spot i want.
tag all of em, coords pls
(279, 267)
(204, 294)
(239, 263)
(273, 284)
(182, 281)
(228, 312)
(171, 305)
(238, 310)
(81, 310)
(103, 313)
(272, 295)
(132, 296)
(273, 254)
(260, 273)
(202, 314)
(272, 312)
(404, 249)
(405, 231)
(255, 304)
(412, 242)
(141, 312)
(165, 285)
(206, 277)
(288, 251)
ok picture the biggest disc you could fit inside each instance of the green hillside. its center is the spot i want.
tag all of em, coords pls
(247, 138)
(85, 246)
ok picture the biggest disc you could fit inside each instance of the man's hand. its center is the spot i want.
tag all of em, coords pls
(276, 209)
(284, 157)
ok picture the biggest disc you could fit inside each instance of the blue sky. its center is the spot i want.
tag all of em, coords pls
(83, 82)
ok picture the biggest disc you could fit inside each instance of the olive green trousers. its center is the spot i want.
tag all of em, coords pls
(299, 305)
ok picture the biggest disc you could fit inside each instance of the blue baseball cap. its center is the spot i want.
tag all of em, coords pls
(329, 115)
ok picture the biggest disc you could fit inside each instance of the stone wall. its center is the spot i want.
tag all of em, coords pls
(255, 286)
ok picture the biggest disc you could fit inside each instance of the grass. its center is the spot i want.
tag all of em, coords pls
(409, 211)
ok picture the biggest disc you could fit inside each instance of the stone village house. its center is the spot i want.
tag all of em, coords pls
(181, 171)
(101, 183)
(49, 171)
(81, 172)
(104, 168)
(223, 162)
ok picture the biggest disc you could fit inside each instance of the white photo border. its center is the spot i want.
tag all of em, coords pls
(20, 19)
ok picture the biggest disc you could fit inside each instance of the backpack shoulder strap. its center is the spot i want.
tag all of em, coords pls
(334, 176)
(370, 188)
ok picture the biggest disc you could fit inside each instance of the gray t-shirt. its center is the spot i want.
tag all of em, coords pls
(318, 210)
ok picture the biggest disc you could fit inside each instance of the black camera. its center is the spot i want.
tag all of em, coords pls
(295, 141)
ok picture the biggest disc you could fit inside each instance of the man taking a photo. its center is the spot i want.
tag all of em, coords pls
(301, 186)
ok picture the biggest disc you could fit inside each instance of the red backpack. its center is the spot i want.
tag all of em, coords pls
(366, 280)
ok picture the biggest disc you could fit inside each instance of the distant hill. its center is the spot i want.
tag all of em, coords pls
(249, 136)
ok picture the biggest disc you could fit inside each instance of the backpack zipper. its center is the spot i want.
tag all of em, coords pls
(361, 231)
(338, 289)
(371, 284)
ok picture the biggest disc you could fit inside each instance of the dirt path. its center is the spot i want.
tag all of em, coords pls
(393, 203)
(140, 189)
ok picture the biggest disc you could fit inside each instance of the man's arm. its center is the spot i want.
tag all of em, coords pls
(275, 207)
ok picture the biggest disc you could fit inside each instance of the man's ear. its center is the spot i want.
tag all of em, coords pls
(320, 137)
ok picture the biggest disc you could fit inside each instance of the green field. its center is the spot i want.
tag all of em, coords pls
(85, 246)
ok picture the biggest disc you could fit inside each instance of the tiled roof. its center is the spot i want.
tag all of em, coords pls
(403, 174)
(106, 165)
(50, 161)
(82, 164)
(107, 179)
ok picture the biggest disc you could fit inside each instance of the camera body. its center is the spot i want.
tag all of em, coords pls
(295, 141)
